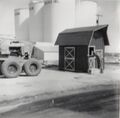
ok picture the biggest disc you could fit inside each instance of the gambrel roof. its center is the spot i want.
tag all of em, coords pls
(81, 36)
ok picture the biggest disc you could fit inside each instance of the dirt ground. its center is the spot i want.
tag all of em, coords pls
(53, 83)
(94, 104)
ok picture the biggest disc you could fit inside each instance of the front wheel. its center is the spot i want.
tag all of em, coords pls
(11, 68)
(32, 67)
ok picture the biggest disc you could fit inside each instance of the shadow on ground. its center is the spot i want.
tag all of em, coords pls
(51, 67)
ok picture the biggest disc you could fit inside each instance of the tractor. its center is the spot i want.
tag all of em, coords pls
(16, 57)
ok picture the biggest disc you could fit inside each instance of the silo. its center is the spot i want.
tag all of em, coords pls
(21, 24)
(110, 11)
(58, 16)
(36, 20)
(118, 11)
(86, 12)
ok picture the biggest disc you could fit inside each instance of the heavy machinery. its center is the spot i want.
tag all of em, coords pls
(16, 57)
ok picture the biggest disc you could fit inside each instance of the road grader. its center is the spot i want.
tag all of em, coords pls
(15, 58)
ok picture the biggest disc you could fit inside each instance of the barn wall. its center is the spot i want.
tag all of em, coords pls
(97, 41)
(81, 58)
(81, 64)
(61, 57)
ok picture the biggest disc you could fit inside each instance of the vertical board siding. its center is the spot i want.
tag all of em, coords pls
(81, 58)
(81, 61)
(61, 57)
(98, 43)
(98, 40)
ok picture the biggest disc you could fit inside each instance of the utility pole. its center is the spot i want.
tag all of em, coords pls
(98, 18)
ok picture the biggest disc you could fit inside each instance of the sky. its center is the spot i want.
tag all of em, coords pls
(7, 14)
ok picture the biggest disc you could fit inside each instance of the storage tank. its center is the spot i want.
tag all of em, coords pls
(21, 24)
(86, 12)
(36, 20)
(58, 16)
(118, 11)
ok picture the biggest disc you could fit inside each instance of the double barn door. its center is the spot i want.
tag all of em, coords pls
(69, 58)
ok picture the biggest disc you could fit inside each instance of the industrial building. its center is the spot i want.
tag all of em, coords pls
(45, 20)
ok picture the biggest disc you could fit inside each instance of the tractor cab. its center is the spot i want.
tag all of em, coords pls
(16, 48)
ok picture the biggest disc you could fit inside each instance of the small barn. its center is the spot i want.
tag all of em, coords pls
(82, 48)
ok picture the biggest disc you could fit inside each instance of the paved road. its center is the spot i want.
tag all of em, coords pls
(95, 104)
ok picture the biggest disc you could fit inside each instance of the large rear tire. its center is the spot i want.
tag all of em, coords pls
(32, 67)
(11, 68)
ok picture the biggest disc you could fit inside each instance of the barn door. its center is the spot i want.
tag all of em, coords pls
(91, 57)
(99, 53)
(69, 58)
